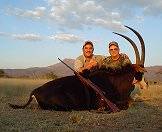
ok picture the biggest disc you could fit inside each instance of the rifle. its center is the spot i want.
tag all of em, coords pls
(97, 89)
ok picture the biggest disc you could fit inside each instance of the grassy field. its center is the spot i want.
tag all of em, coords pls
(141, 116)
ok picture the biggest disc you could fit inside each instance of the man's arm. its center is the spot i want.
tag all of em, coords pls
(126, 60)
(79, 66)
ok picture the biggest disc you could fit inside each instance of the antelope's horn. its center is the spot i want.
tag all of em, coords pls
(142, 45)
(134, 47)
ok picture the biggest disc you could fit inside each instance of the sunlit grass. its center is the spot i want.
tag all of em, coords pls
(18, 87)
(141, 116)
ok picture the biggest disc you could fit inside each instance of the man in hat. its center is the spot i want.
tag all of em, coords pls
(116, 59)
(87, 60)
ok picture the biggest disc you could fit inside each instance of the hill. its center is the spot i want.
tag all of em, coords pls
(58, 70)
(154, 73)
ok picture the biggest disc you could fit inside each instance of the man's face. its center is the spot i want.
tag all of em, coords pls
(88, 50)
(114, 50)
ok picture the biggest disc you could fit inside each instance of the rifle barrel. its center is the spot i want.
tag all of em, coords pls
(112, 106)
(67, 65)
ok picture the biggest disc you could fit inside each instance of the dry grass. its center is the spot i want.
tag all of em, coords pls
(141, 116)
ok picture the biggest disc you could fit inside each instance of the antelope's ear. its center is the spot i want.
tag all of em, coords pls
(138, 68)
(142, 69)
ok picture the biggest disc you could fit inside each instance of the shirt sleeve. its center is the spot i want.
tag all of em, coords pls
(99, 60)
(126, 60)
(77, 65)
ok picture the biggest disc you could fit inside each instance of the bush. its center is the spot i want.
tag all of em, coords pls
(2, 73)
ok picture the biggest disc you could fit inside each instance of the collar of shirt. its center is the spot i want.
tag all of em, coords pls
(84, 58)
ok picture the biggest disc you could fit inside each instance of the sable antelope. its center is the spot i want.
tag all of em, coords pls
(69, 93)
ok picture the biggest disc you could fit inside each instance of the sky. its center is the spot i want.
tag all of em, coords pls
(34, 33)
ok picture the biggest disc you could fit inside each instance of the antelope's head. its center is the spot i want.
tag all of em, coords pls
(139, 65)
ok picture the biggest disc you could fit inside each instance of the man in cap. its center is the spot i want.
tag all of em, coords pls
(116, 59)
(87, 60)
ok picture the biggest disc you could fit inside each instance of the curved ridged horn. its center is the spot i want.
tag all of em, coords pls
(134, 47)
(142, 45)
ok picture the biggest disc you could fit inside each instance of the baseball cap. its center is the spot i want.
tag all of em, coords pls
(88, 42)
(113, 43)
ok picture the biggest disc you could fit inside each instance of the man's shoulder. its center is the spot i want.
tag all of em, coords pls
(123, 55)
(80, 57)
(107, 57)
(99, 56)
(125, 59)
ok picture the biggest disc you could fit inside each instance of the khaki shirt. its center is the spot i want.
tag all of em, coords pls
(81, 61)
(108, 62)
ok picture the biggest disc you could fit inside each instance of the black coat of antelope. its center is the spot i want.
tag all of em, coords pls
(69, 93)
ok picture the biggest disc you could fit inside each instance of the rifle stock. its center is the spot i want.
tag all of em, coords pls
(97, 89)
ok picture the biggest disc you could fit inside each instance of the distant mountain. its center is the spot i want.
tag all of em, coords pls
(61, 70)
(154, 73)
(58, 69)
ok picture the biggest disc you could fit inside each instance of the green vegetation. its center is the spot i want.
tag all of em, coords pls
(50, 75)
(2, 73)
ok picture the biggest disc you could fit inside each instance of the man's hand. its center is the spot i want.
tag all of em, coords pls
(91, 64)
